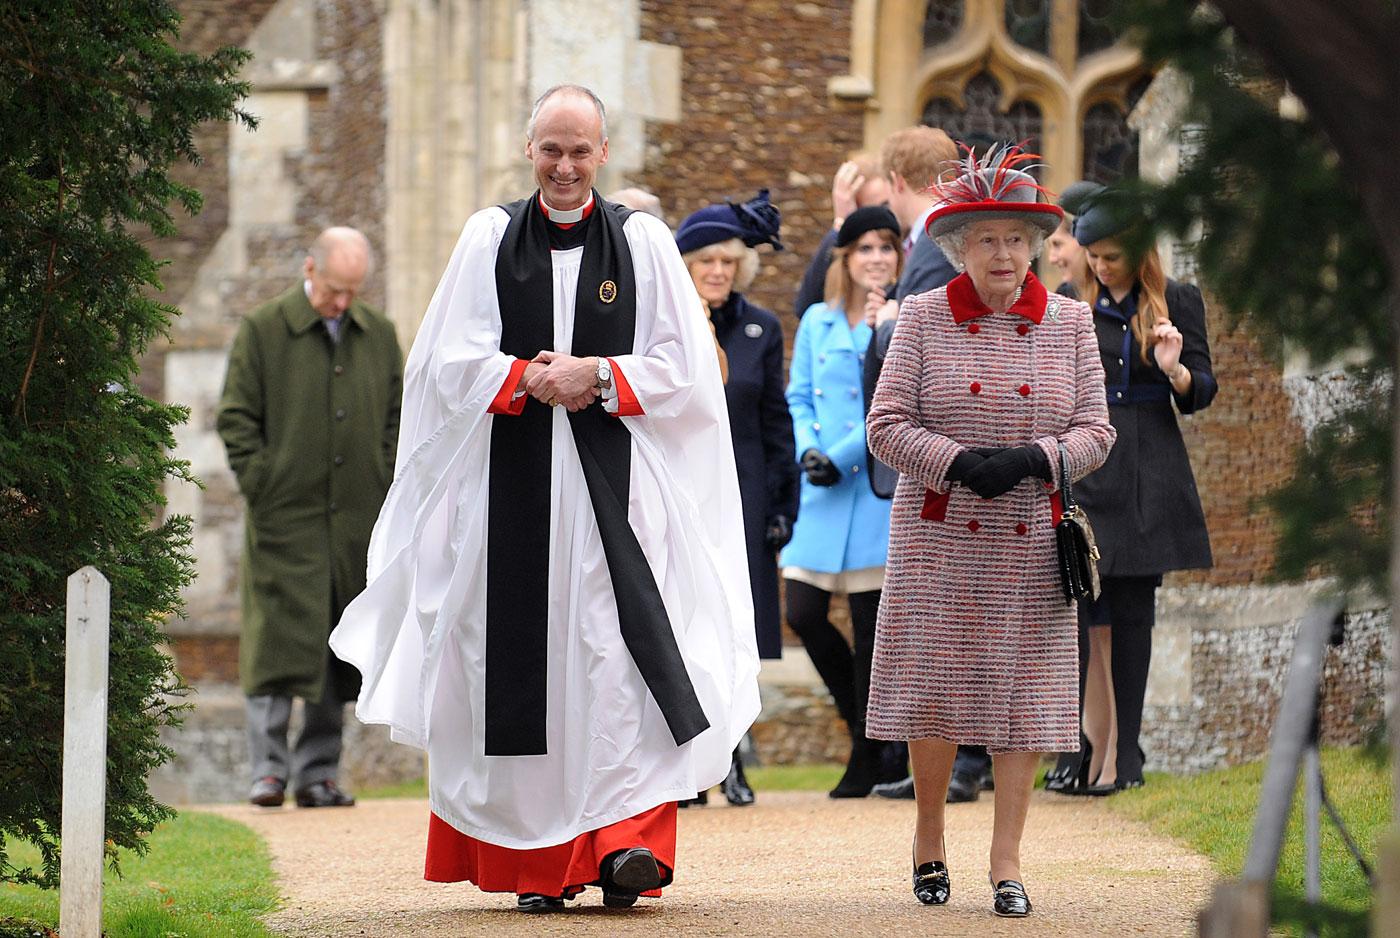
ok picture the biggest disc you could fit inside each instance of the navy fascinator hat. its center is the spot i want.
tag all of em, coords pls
(1101, 212)
(754, 222)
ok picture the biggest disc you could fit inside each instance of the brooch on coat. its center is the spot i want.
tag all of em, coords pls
(1052, 310)
(753, 330)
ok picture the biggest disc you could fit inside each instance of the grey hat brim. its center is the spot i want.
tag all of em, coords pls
(949, 218)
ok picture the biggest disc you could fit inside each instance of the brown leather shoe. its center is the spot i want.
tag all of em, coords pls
(268, 792)
(324, 794)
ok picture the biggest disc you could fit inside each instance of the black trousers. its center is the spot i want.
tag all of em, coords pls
(1128, 605)
(845, 669)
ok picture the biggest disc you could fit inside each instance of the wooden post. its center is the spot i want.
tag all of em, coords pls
(84, 755)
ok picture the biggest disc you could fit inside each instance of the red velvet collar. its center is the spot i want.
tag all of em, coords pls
(966, 304)
(587, 210)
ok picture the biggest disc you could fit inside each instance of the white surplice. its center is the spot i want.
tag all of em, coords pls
(417, 632)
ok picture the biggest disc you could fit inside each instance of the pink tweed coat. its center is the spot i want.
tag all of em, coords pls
(975, 643)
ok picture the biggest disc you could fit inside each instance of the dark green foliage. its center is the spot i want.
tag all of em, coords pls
(1285, 244)
(96, 106)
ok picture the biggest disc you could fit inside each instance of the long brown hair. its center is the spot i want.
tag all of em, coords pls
(1152, 298)
(840, 288)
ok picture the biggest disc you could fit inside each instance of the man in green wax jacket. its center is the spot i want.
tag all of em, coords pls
(310, 419)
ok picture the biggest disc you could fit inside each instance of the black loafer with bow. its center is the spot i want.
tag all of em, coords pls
(931, 883)
(1010, 900)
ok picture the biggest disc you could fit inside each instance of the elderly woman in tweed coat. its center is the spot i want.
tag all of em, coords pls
(986, 379)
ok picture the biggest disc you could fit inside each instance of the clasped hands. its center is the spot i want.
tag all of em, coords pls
(992, 470)
(555, 378)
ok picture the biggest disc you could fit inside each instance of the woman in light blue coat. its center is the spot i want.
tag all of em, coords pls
(838, 544)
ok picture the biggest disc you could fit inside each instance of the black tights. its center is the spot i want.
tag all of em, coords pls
(1129, 604)
(846, 671)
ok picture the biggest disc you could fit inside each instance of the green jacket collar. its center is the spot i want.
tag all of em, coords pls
(300, 316)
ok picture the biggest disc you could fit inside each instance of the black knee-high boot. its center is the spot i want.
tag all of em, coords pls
(863, 766)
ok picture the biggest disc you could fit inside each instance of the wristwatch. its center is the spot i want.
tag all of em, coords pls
(604, 373)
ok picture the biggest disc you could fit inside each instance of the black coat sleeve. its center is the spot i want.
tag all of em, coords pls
(775, 426)
(1188, 313)
(813, 287)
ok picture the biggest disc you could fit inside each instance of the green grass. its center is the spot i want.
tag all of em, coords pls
(1214, 814)
(820, 777)
(204, 877)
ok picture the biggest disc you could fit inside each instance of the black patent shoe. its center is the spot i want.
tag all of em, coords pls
(1061, 778)
(626, 874)
(1009, 900)
(532, 903)
(735, 786)
(931, 884)
(701, 798)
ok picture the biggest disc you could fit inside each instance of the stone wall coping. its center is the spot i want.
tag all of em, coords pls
(1253, 606)
(292, 75)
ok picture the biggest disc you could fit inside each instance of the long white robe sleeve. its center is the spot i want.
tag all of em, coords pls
(417, 632)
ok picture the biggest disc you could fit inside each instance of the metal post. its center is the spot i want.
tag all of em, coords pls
(84, 754)
(1286, 743)
(1312, 833)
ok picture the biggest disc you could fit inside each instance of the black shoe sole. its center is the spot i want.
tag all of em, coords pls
(636, 872)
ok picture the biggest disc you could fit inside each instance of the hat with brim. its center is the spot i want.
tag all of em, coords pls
(1108, 213)
(992, 189)
(754, 222)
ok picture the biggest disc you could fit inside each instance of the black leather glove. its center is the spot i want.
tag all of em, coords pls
(1000, 472)
(779, 532)
(819, 468)
(963, 464)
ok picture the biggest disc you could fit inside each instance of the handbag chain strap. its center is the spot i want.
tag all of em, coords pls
(1067, 502)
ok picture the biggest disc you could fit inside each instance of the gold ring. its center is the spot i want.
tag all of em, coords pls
(553, 403)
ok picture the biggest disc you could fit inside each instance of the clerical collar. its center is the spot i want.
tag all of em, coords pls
(567, 217)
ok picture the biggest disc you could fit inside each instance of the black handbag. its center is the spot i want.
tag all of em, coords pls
(1074, 544)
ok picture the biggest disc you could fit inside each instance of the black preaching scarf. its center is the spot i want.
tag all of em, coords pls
(518, 514)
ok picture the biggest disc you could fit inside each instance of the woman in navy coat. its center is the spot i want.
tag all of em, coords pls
(1143, 503)
(843, 530)
(717, 245)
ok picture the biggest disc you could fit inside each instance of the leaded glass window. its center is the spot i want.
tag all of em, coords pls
(1110, 147)
(1028, 24)
(978, 123)
(942, 21)
(1096, 28)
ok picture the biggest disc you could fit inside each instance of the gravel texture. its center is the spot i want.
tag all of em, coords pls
(795, 863)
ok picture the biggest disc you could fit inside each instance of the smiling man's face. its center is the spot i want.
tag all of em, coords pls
(567, 149)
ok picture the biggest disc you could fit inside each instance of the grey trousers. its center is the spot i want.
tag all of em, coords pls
(317, 754)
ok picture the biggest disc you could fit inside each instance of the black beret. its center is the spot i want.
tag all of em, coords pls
(869, 218)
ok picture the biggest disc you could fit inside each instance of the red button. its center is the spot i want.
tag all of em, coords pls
(973, 525)
(1025, 390)
(975, 388)
(1021, 528)
(1022, 329)
(974, 328)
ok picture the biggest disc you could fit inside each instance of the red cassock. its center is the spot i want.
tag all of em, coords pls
(561, 870)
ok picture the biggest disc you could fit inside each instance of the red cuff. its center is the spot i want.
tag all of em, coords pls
(505, 401)
(627, 403)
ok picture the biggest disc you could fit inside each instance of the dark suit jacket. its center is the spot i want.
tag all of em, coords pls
(925, 269)
(813, 288)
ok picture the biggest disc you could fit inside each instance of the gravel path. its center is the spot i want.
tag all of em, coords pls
(796, 863)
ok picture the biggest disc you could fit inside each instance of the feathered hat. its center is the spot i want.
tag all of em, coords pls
(991, 188)
(754, 222)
